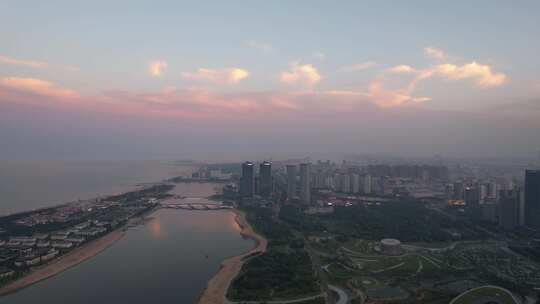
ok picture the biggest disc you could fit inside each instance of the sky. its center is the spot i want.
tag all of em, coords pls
(227, 80)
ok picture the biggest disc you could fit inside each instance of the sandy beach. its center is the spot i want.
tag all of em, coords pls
(64, 262)
(217, 287)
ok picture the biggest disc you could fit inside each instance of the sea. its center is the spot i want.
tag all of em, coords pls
(169, 259)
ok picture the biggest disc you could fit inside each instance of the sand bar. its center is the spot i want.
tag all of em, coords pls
(216, 290)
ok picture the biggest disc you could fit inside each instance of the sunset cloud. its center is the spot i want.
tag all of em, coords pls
(156, 68)
(22, 62)
(434, 53)
(358, 66)
(305, 74)
(36, 86)
(387, 98)
(402, 69)
(481, 74)
(221, 76)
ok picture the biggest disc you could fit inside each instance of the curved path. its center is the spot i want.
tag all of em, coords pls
(516, 301)
(299, 300)
(343, 297)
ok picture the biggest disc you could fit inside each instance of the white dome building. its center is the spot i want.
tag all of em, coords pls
(390, 246)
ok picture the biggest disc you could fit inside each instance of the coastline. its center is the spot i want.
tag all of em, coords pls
(72, 258)
(216, 289)
(64, 262)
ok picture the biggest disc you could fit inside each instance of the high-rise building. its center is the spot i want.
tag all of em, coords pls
(493, 190)
(247, 181)
(345, 183)
(265, 179)
(305, 187)
(472, 201)
(509, 209)
(521, 218)
(532, 198)
(367, 184)
(355, 183)
(291, 181)
(482, 192)
(459, 191)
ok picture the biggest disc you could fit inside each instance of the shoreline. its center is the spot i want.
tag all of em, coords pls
(217, 287)
(72, 258)
(64, 262)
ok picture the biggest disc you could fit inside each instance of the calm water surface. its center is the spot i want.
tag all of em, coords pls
(163, 261)
(168, 260)
(26, 185)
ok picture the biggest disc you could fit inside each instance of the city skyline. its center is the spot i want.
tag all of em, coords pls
(140, 81)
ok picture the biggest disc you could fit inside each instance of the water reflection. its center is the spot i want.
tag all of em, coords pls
(155, 227)
(168, 260)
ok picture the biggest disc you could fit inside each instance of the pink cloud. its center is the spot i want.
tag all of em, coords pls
(402, 69)
(434, 53)
(223, 77)
(156, 68)
(387, 98)
(305, 74)
(358, 66)
(481, 74)
(22, 62)
(37, 86)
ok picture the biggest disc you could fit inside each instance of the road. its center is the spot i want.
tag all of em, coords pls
(343, 296)
(321, 295)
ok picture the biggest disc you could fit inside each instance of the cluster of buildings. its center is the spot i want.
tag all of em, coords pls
(500, 202)
(19, 252)
(33, 238)
(61, 214)
(496, 200)
(378, 180)
(213, 174)
(252, 184)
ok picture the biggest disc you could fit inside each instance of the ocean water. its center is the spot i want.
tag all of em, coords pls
(27, 185)
(169, 259)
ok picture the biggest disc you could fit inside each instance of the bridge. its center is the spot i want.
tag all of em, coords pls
(194, 206)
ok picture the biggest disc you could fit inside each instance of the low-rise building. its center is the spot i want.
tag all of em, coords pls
(6, 272)
(75, 239)
(41, 236)
(43, 244)
(59, 236)
(32, 260)
(82, 226)
(51, 254)
(62, 244)
(22, 239)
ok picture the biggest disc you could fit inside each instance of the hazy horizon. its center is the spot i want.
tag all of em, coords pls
(232, 81)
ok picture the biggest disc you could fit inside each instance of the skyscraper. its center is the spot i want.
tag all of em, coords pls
(345, 183)
(305, 187)
(247, 181)
(509, 209)
(472, 201)
(367, 184)
(532, 198)
(265, 178)
(291, 181)
(459, 191)
(355, 183)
